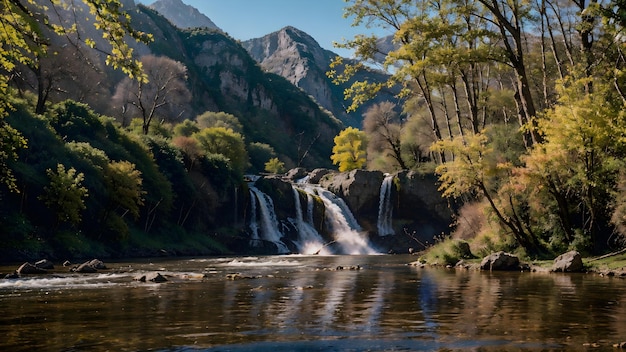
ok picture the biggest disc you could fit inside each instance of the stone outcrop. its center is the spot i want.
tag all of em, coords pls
(360, 190)
(418, 193)
(152, 277)
(500, 261)
(296, 174)
(44, 264)
(28, 268)
(91, 266)
(568, 262)
(316, 175)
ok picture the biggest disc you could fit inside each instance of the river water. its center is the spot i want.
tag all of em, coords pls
(309, 303)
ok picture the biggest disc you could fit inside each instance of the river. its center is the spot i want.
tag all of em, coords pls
(304, 303)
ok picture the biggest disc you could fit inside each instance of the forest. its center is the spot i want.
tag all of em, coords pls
(517, 106)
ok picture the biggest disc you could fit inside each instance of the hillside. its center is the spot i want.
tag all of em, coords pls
(295, 56)
(187, 201)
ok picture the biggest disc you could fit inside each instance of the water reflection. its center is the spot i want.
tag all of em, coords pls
(304, 303)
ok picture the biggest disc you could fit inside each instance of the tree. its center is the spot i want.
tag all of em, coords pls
(124, 185)
(259, 154)
(383, 127)
(65, 194)
(186, 128)
(475, 171)
(27, 33)
(25, 37)
(577, 168)
(163, 95)
(11, 141)
(219, 119)
(350, 148)
(224, 141)
(275, 166)
(190, 147)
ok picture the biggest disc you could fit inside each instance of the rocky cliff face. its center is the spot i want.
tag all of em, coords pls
(295, 55)
(182, 15)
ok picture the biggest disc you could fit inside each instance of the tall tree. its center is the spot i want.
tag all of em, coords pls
(164, 95)
(383, 127)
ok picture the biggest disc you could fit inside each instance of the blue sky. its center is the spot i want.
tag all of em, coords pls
(246, 19)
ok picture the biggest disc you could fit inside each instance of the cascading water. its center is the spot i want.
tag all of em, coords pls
(309, 240)
(385, 209)
(343, 225)
(254, 225)
(268, 222)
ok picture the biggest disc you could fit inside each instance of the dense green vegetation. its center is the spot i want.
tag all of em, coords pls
(146, 159)
(85, 181)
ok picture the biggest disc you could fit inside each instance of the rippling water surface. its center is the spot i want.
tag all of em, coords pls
(305, 303)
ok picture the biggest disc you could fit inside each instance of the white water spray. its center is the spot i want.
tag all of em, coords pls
(268, 222)
(309, 240)
(342, 223)
(385, 208)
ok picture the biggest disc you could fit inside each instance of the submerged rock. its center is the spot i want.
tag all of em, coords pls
(44, 264)
(91, 266)
(568, 262)
(97, 264)
(500, 261)
(28, 268)
(84, 268)
(153, 277)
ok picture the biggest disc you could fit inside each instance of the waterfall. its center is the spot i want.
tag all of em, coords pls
(309, 240)
(269, 223)
(310, 203)
(254, 225)
(385, 209)
(342, 223)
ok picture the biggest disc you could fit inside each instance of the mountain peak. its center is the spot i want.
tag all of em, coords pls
(182, 15)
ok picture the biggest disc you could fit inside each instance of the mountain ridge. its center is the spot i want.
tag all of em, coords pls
(182, 15)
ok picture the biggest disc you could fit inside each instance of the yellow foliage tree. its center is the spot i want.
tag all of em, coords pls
(350, 148)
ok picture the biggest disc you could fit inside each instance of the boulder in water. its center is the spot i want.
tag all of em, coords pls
(84, 268)
(90, 266)
(153, 277)
(97, 264)
(28, 268)
(500, 261)
(568, 262)
(44, 264)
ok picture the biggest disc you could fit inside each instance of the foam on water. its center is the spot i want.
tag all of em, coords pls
(240, 262)
(62, 282)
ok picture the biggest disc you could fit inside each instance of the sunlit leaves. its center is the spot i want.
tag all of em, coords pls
(350, 150)
(467, 172)
(124, 186)
(275, 166)
(11, 141)
(65, 194)
(224, 141)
